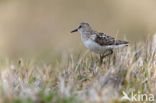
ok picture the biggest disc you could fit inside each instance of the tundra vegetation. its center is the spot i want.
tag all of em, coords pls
(79, 78)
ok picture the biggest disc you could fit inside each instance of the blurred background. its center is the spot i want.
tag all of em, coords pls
(33, 26)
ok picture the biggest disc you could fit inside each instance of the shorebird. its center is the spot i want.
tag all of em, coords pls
(98, 42)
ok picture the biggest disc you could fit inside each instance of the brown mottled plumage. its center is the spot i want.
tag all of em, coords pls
(103, 40)
(98, 42)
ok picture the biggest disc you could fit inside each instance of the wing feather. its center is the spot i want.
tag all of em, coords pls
(104, 39)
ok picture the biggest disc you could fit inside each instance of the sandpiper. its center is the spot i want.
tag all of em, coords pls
(98, 42)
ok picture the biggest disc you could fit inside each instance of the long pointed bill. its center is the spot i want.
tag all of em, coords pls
(75, 30)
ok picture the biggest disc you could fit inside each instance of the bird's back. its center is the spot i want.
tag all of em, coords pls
(105, 40)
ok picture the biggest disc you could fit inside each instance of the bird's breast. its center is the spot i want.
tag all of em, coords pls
(91, 45)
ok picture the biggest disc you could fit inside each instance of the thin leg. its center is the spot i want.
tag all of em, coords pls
(110, 52)
(114, 59)
(103, 56)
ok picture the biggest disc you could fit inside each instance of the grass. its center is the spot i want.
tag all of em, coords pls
(79, 78)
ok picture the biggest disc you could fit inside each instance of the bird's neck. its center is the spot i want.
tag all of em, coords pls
(85, 35)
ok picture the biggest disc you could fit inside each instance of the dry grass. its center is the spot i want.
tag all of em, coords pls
(79, 78)
(36, 26)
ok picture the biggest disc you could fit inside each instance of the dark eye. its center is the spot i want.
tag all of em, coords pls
(80, 26)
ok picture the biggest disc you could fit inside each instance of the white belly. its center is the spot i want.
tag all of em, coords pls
(93, 46)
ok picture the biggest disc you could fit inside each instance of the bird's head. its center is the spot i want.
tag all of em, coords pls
(82, 28)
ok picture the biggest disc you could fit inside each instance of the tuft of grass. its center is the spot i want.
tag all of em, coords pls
(79, 78)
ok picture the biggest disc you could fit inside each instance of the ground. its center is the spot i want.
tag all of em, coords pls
(80, 78)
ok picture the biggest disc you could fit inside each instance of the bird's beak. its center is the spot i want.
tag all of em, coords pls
(75, 30)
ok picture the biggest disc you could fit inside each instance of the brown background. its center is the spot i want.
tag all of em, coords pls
(45, 25)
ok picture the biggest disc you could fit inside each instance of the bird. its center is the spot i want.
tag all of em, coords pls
(98, 42)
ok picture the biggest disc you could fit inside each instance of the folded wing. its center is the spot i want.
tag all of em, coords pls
(103, 39)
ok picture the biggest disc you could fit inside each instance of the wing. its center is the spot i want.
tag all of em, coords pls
(104, 39)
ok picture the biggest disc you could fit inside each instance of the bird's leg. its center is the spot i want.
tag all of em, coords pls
(110, 52)
(114, 59)
(103, 56)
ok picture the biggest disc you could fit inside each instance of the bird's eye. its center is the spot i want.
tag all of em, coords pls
(80, 26)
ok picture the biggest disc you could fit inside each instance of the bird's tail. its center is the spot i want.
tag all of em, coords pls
(119, 42)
